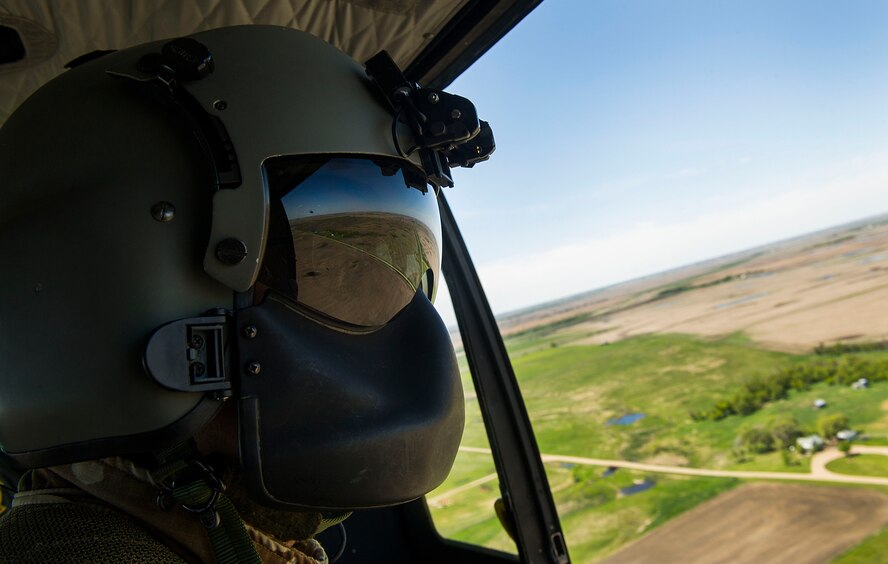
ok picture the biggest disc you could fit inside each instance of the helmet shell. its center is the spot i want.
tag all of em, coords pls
(91, 273)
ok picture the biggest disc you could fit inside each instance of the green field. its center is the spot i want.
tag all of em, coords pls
(861, 465)
(870, 551)
(597, 520)
(572, 392)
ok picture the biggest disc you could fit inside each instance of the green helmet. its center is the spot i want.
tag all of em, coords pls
(234, 217)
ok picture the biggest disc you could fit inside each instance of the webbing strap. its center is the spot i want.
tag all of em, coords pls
(195, 488)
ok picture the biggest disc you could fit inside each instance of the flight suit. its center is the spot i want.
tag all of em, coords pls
(105, 510)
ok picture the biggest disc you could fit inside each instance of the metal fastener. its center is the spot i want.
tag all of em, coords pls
(254, 368)
(198, 369)
(220, 105)
(163, 211)
(455, 114)
(197, 342)
(210, 519)
(231, 251)
(433, 97)
(250, 331)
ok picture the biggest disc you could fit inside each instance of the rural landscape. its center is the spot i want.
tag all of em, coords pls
(731, 410)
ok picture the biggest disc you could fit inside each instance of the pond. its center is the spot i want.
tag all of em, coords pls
(641, 486)
(627, 419)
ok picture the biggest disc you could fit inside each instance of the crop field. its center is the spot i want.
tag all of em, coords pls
(786, 524)
(599, 385)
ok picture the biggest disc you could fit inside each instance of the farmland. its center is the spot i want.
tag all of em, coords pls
(617, 375)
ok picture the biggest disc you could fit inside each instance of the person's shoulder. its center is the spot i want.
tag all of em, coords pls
(72, 531)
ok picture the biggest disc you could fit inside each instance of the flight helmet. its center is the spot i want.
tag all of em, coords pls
(244, 215)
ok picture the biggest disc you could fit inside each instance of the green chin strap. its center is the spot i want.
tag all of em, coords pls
(192, 485)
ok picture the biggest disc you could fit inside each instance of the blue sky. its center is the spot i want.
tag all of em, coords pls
(637, 136)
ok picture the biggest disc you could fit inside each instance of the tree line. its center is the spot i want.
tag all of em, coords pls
(755, 393)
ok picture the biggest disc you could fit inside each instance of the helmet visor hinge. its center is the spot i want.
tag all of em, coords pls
(191, 355)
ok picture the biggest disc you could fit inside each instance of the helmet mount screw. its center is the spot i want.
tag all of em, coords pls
(220, 105)
(231, 251)
(455, 114)
(250, 331)
(254, 368)
(433, 98)
(163, 211)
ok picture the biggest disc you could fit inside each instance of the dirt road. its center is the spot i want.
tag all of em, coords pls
(821, 475)
(824, 457)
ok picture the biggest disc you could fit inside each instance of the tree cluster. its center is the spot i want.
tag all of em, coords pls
(839, 349)
(756, 392)
(780, 433)
(830, 425)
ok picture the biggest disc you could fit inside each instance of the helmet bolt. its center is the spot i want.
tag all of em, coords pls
(433, 98)
(220, 105)
(250, 331)
(455, 114)
(231, 251)
(198, 369)
(163, 211)
(197, 342)
(437, 128)
(254, 368)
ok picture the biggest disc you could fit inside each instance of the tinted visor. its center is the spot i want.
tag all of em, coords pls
(350, 238)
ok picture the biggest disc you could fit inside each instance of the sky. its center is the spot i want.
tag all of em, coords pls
(638, 136)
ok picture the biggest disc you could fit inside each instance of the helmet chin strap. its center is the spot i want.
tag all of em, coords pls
(192, 485)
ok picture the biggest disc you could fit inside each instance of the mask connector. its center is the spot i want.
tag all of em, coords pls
(190, 355)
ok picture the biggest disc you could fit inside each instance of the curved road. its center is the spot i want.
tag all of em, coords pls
(819, 473)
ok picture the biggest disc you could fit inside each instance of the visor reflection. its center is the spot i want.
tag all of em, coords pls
(358, 238)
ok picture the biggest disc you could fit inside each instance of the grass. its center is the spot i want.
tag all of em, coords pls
(870, 551)
(468, 466)
(571, 391)
(598, 521)
(469, 517)
(861, 465)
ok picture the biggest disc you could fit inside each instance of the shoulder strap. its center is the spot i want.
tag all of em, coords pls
(192, 485)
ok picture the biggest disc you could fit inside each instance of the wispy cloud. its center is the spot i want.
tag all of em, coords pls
(797, 207)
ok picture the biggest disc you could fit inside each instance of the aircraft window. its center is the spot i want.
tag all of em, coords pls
(684, 236)
(462, 508)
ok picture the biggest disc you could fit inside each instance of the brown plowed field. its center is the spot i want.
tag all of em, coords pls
(759, 523)
(826, 287)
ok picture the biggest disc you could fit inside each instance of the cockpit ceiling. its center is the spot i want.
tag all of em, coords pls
(53, 32)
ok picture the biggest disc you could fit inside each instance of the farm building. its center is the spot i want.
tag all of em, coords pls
(860, 384)
(812, 443)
